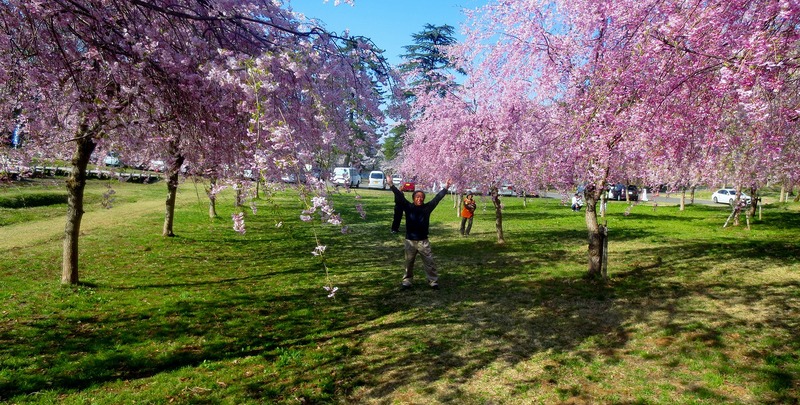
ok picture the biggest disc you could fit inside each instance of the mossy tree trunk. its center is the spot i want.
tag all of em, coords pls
(596, 233)
(498, 215)
(173, 177)
(76, 184)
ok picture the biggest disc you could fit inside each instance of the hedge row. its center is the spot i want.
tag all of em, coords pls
(28, 200)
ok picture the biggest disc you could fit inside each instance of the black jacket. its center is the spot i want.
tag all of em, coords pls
(417, 218)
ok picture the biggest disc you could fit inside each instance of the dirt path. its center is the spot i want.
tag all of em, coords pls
(52, 230)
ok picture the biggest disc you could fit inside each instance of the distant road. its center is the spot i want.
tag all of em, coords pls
(661, 199)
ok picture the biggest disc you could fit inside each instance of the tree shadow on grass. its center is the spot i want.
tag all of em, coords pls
(72, 354)
(487, 315)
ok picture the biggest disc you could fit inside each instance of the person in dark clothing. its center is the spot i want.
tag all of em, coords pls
(398, 212)
(418, 216)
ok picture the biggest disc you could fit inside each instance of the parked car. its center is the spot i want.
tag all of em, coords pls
(112, 159)
(396, 180)
(346, 176)
(157, 165)
(292, 177)
(617, 192)
(438, 186)
(728, 196)
(288, 178)
(377, 179)
(408, 185)
(473, 190)
(506, 189)
(249, 174)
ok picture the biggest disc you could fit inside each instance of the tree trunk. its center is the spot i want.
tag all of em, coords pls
(212, 207)
(782, 198)
(172, 173)
(239, 200)
(76, 184)
(498, 222)
(212, 199)
(691, 201)
(683, 200)
(595, 236)
(754, 200)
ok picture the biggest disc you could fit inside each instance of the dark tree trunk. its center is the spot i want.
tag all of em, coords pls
(173, 175)
(76, 184)
(212, 199)
(498, 211)
(754, 200)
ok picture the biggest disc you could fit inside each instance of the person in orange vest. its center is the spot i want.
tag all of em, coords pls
(467, 212)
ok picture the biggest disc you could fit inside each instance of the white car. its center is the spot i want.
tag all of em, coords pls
(728, 196)
(346, 176)
(157, 165)
(112, 159)
(377, 180)
(397, 180)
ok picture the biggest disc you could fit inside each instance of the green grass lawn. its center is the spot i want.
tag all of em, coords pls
(693, 312)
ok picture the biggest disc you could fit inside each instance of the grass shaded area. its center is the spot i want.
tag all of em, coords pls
(693, 313)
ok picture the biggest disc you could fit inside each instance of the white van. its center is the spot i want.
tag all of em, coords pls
(377, 180)
(346, 176)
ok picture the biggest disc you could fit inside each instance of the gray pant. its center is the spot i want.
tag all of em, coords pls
(468, 223)
(423, 247)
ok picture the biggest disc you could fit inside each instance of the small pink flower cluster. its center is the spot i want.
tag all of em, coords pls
(238, 222)
(331, 291)
(322, 205)
(216, 189)
(319, 250)
(108, 198)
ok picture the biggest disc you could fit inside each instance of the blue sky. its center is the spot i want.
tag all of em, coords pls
(389, 23)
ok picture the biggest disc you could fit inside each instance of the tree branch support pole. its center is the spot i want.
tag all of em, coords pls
(604, 253)
(734, 215)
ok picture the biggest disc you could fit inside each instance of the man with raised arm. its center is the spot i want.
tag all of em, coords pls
(418, 216)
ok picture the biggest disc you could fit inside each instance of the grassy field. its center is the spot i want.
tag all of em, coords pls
(693, 312)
